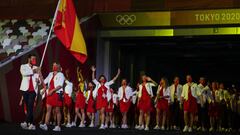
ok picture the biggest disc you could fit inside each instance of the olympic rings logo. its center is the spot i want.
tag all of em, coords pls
(126, 19)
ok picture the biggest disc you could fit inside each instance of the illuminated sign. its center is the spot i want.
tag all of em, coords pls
(173, 18)
(138, 19)
(206, 17)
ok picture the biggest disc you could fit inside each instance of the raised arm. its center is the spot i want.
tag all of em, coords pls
(117, 75)
(93, 72)
(79, 74)
(152, 81)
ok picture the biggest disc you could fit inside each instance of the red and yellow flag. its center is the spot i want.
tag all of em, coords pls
(67, 29)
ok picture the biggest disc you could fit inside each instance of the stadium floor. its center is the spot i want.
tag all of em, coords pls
(15, 129)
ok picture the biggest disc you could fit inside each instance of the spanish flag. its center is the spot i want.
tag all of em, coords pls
(67, 29)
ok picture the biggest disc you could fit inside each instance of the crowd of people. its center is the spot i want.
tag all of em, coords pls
(201, 107)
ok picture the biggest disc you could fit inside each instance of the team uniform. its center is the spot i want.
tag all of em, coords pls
(189, 95)
(204, 97)
(124, 96)
(145, 94)
(29, 88)
(56, 99)
(219, 95)
(100, 93)
(163, 103)
(80, 100)
(110, 106)
(175, 100)
(90, 102)
(213, 109)
(68, 94)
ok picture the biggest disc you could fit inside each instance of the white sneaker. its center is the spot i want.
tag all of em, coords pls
(112, 126)
(68, 125)
(156, 127)
(211, 129)
(24, 125)
(185, 129)
(176, 128)
(102, 127)
(31, 127)
(43, 127)
(162, 128)
(141, 127)
(199, 128)
(189, 129)
(124, 126)
(106, 126)
(81, 125)
(146, 128)
(203, 129)
(91, 125)
(73, 124)
(137, 127)
(57, 129)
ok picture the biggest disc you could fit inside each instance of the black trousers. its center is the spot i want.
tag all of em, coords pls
(29, 98)
(176, 113)
(203, 115)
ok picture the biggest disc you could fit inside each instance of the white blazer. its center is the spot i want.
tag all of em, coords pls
(166, 92)
(134, 96)
(27, 72)
(194, 91)
(178, 94)
(204, 93)
(98, 85)
(128, 93)
(148, 87)
(58, 80)
(68, 88)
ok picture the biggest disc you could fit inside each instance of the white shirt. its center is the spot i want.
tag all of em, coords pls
(27, 72)
(173, 93)
(193, 90)
(68, 88)
(166, 92)
(98, 85)
(148, 87)
(128, 93)
(204, 94)
(58, 80)
(134, 96)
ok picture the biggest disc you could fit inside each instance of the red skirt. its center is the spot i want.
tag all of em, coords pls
(90, 106)
(101, 103)
(145, 104)
(124, 106)
(54, 101)
(110, 107)
(190, 106)
(80, 101)
(67, 100)
(213, 110)
(162, 105)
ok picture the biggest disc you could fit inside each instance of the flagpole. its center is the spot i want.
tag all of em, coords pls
(50, 32)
